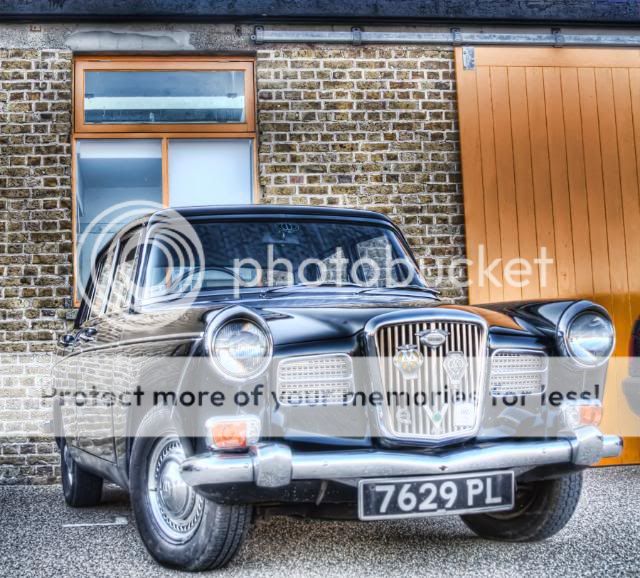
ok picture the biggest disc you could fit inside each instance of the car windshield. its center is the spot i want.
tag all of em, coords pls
(230, 255)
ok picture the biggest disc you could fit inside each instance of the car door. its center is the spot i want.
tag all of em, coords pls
(99, 338)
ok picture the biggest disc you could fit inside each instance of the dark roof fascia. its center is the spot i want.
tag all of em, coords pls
(546, 12)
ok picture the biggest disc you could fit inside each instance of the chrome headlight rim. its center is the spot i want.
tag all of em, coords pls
(569, 317)
(237, 313)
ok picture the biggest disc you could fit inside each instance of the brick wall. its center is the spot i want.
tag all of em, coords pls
(368, 127)
(35, 247)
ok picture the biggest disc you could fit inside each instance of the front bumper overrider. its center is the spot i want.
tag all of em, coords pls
(273, 465)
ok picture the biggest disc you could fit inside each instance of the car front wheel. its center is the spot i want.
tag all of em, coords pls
(542, 508)
(180, 528)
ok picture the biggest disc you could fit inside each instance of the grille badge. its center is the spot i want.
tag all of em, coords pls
(432, 338)
(403, 415)
(436, 416)
(455, 366)
(408, 360)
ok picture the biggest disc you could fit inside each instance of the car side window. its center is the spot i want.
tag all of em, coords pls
(102, 285)
(123, 276)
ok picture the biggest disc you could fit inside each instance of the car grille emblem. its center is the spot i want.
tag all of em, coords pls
(436, 416)
(432, 338)
(455, 366)
(403, 415)
(408, 360)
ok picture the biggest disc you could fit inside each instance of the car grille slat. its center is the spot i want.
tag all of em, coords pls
(431, 412)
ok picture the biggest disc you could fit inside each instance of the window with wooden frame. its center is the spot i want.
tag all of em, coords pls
(157, 131)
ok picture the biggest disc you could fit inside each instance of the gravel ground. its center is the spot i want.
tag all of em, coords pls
(603, 538)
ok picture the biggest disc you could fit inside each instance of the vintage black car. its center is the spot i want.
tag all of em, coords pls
(229, 362)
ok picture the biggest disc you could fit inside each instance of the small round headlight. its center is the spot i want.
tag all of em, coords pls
(590, 338)
(240, 349)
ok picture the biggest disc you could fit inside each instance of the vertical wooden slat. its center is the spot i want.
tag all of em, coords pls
(616, 241)
(595, 187)
(165, 172)
(561, 205)
(508, 215)
(472, 176)
(577, 217)
(523, 179)
(615, 238)
(493, 248)
(628, 188)
(544, 212)
(628, 155)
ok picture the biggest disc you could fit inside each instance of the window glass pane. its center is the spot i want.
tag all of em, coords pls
(116, 182)
(102, 284)
(164, 97)
(210, 172)
(122, 279)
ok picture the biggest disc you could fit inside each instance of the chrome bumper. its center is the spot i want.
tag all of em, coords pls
(274, 465)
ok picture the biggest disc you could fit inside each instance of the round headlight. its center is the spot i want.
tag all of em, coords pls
(240, 349)
(590, 338)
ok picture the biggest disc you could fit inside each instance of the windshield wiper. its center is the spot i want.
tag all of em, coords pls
(280, 288)
(405, 288)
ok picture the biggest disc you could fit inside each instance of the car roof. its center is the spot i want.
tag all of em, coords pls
(268, 210)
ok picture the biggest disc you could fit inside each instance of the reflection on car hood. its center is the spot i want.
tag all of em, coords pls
(325, 315)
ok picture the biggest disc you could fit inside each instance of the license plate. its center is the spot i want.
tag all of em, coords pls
(387, 498)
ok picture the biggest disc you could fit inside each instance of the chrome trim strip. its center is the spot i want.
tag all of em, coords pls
(283, 465)
(194, 336)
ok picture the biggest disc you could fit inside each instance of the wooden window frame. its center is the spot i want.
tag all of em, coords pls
(161, 132)
(168, 64)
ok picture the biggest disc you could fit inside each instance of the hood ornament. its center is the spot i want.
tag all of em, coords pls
(432, 338)
(408, 360)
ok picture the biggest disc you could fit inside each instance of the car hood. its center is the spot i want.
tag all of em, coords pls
(321, 316)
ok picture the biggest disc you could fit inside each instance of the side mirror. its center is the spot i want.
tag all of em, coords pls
(67, 340)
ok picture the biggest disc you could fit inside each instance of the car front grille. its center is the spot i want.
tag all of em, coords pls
(443, 400)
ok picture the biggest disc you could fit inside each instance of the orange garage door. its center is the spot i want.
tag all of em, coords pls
(551, 158)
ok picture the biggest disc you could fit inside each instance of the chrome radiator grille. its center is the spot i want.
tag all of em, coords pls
(443, 400)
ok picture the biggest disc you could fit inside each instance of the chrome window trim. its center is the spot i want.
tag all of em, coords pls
(436, 314)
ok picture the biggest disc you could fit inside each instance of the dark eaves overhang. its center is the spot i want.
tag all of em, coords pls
(547, 12)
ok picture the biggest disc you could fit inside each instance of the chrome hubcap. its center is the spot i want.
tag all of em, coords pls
(176, 508)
